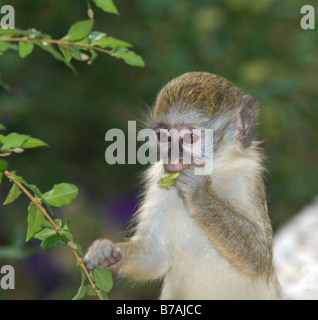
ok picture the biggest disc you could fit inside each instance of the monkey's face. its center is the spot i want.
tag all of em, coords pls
(185, 105)
(180, 146)
(188, 107)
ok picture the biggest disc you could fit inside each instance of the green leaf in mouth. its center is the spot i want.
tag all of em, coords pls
(168, 179)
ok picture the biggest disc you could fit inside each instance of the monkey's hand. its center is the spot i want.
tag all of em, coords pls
(190, 185)
(103, 253)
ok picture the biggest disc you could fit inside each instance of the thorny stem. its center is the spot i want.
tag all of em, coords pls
(79, 260)
(59, 42)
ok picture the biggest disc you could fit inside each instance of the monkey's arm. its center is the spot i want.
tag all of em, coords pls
(142, 260)
(245, 244)
(136, 259)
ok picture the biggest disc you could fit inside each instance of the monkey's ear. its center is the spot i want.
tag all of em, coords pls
(245, 121)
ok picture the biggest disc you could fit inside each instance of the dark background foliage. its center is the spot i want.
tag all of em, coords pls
(259, 45)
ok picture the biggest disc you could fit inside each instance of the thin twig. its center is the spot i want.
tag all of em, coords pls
(59, 42)
(79, 260)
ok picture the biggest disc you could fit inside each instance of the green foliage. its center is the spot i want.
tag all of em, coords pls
(106, 5)
(39, 223)
(168, 179)
(80, 42)
(13, 140)
(103, 281)
(36, 221)
(61, 194)
(16, 143)
(13, 194)
(79, 30)
(25, 48)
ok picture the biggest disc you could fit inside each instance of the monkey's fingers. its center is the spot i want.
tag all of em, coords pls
(114, 268)
(102, 253)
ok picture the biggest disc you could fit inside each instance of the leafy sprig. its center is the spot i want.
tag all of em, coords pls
(40, 224)
(80, 43)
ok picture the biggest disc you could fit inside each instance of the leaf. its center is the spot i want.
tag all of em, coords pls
(67, 223)
(36, 221)
(33, 143)
(106, 5)
(7, 45)
(37, 193)
(36, 190)
(51, 241)
(75, 52)
(2, 127)
(66, 53)
(61, 194)
(89, 290)
(14, 140)
(34, 33)
(25, 48)
(168, 179)
(13, 32)
(13, 194)
(58, 222)
(94, 55)
(67, 236)
(3, 165)
(103, 279)
(79, 30)
(95, 35)
(49, 48)
(111, 43)
(129, 57)
(80, 292)
(13, 176)
(45, 233)
(56, 54)
(82, 289)
(103, 295)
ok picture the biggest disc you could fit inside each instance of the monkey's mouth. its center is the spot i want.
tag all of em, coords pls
(176, 167)
(180, 166)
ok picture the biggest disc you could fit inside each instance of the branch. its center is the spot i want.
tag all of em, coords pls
(59, 42)
(70, 244)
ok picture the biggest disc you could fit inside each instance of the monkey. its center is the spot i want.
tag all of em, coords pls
(209, 236)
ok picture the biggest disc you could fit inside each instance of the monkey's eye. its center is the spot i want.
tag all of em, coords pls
(163, 136)
(190, 138)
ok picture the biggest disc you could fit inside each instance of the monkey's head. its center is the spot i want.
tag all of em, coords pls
(197, 101)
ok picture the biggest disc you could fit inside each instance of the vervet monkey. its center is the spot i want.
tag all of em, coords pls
(208, 236)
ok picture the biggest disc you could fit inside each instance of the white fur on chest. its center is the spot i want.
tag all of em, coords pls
(167, 219)
(194, 269)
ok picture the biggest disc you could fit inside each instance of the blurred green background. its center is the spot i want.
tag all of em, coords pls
(258, 45)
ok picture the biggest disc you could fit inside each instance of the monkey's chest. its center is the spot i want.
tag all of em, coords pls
(185, 236)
